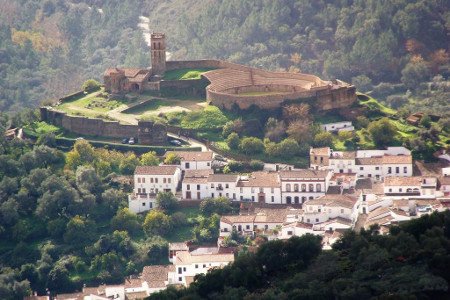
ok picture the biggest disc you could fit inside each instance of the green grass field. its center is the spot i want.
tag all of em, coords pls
(184, 74)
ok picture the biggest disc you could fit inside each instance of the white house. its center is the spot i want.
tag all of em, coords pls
(156, 278)
(297, 186)
(187, 265)
(329, 207)
(223, 185)
(148, 181)
(297, 229)
(195, 184)
(338, 126)
(342, 161)
(261, 220)
(262, 187)
(194, 160)
(417, 187)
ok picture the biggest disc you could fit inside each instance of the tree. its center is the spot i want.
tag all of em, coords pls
(323, 139)
(414, 74)
(220, 205)
(88, 180)
(233, 141)
(82, 154)
(362, 83)
(300, 131)
(296, 112)
(275, 130)
(172, 159)
(382, 132)
(129, 164)
(125, 220)
(251, 145)
(425, 121)
(166, 201)
(157, 223)
(149, 159)
(91, 85)
(79, 231)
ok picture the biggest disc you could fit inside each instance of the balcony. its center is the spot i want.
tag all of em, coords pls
(219, 188)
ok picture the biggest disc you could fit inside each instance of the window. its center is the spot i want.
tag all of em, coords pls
(319, 210)
(369, 175)
(241, 190)
(204, 265)
(253, 198)
(397, 170)
(169, 180)
(139, 190)
(227, 195)
(317, 220)
(405, 169)
(342, 210)
(198, 187)
(156, 180)
(400, 190)
(212, 195)
(143, 180)
(295, 187)
(261, 190)
(196, 266)
(318, 187)
(151, 205)
(180, 279)
(311, 188)
(289, 232)
(315, 158)
(288, 187)
(390, 190)
(247, 227)
(364, 197)
(164, 180)
(227, 185)
(377, 168)
(151, 180)
(188, 187)
(311, 197)
(187, 166)
(242, 198)
(208, 164)
(180, 270)
(389, 170)
(143, 203)
(212, 185)
(303, 199)
(361, 168)
(139, 179)
(303, 187)
(307, 220)
(266, 226)
(273, 199)
(321, 160)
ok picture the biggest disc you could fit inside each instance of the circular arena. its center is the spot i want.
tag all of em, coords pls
(243, 86)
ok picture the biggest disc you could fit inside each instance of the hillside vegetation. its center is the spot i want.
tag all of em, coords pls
(410, 263)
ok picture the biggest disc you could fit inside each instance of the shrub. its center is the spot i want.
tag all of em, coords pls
(91, 85)
(362, 83)
(251, 145)
(220, 205)
(256, 165)
(233, 141)
(382, 131)
(166, 201)
(235, 166)
(157, 223)
(323, 139)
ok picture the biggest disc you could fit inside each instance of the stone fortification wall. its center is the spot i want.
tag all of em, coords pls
(227, 101)
(149, 132)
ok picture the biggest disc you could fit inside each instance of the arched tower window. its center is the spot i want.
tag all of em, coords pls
(288, 187)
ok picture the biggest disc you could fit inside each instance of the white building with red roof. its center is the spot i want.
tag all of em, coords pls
(194, 160)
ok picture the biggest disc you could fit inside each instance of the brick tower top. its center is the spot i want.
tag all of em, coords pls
(158, 53)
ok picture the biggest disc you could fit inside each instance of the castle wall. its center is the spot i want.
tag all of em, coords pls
(99, 127)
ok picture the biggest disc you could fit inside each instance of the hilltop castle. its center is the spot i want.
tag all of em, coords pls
(228, 85)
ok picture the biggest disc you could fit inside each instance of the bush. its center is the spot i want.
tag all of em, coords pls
(362, 83)
(91, 85)
(382, 132)
(233, 141)
(256, 165)
(179, 219)
(323, 139)
(166, 201)
(251, 145)
(235, 166)
(397, 101)
(157, 223)
(219, 206)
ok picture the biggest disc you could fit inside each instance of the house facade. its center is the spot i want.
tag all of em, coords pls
(194, 160)
(148, 181)
(297, 186)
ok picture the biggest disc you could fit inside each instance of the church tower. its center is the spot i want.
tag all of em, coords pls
(158, 53)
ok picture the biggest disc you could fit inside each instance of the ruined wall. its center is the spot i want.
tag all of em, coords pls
(98, 127)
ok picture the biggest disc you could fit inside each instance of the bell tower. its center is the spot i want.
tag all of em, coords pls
(158, 53)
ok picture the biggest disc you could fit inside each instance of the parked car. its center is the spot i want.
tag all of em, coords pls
(175, 142)
(79, 138)
(131, 141)
(125, 141)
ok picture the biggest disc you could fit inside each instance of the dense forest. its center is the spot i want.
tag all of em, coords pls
(410, 263)
(396, 49)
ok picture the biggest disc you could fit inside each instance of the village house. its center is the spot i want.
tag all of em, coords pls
(328, 207)
(194, 160)
(223, 185)
(148, 181)
(297, 186)
(417, 187)
(195, 184)
(338, 126)
(259, 220)
(297, 229)
(262, 187)
(444, 181)
(374, 164)
(188, 264)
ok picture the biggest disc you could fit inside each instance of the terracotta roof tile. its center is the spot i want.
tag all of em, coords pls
(155, 170)
(346, 201)
(184, 257)
(261, 179)
(155, 276)
(397, 159)
(320, 151)
(198, 173)
(304, 173)
(223, 178)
